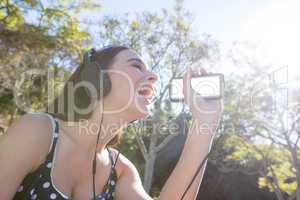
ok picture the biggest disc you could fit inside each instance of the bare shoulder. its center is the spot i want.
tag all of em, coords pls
(122, 160)
(32, 132)
(30, 126)
(129, 185)
(125, 167)
(22, 148)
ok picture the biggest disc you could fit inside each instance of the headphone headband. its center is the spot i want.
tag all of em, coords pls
(87, 57)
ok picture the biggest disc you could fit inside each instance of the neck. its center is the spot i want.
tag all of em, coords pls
(85, 132)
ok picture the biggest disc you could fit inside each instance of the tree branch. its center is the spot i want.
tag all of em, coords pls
(142, 146)
(164, 143)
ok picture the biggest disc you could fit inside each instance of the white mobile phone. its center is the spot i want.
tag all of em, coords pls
(209, 86)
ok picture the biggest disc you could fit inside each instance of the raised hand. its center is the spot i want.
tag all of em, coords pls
(206, 110)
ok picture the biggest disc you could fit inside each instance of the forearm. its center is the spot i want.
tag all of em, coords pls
(193, 190)
(196, 147)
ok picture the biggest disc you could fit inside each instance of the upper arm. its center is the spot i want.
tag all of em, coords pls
(22, 148)
(129, 185)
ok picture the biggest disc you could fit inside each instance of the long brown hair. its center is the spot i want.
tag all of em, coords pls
(63, 106)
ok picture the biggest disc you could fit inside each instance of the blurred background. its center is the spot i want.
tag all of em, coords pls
(255, 44)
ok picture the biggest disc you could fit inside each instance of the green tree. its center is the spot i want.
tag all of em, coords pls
(37, 37)
(262, 128)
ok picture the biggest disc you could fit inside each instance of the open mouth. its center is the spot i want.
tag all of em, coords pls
(146, 91)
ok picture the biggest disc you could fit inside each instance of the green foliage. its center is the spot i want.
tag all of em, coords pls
(38, 36)
(255, 141)
(128, 146)
(276, 169)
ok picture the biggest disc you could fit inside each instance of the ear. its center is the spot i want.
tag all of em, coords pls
(91, 73)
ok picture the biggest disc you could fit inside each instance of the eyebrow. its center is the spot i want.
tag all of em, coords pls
(135, 59)
(138, 60)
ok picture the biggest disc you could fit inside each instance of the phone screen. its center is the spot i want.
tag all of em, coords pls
(208, 86)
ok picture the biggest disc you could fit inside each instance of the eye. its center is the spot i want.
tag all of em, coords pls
(137, 66)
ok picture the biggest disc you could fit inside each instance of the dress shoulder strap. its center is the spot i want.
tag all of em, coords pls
(116, 159)
(54, 132)
(111, 156)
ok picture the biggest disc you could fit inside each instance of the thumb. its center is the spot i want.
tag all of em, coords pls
(187, 88)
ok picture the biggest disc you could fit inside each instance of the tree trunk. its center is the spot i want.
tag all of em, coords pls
(150, 162)
(149, 170)
(13, 116)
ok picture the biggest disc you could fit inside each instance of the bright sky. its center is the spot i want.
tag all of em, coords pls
(274, 25)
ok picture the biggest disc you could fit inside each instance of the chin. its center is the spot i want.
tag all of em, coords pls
(144, 116)
(134, 115)
(139, 111)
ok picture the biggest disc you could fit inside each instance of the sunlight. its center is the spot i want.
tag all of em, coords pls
(277, 29)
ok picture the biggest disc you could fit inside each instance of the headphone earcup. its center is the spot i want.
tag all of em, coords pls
(91, 73)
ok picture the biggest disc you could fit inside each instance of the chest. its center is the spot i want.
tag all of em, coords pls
(72, 176)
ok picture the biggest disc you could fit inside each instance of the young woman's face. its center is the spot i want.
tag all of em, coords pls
(132, 86)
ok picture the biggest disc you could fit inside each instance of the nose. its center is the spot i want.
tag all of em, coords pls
(151, 77)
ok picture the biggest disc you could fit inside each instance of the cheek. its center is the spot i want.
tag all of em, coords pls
(133, 74)
(124, 82)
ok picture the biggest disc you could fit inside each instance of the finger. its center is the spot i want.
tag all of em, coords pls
(194, 71)
(187, 76)
(187, 80)
(203, 71)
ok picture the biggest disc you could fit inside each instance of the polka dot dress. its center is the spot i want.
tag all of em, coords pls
(38, 184)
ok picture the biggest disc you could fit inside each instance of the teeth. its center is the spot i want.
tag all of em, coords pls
(145, 88)
(145, 91)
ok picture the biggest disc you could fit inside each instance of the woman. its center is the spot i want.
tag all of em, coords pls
(44, 156)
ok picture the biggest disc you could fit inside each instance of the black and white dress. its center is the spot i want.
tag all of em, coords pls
(39, 184)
